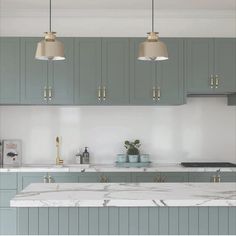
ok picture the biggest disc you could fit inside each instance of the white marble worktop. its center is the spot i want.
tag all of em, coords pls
(126, 195)
(111, 168)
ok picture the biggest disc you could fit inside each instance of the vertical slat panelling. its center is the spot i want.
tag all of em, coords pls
(103, 221)
(63, 221)
(232, 220)
(73, 221)
(203, 220)
(124, 220)
(223, 220)
(33, 221)
(83, 221)
(133, 220)
(173, 220)
(143, 220)
(153, 220)
(213, 220)
(113, 220)
(53, 221)
(43, 221)
(163, 220)
(93, 221)
(183, 220)
(23, 217)
(193, 220)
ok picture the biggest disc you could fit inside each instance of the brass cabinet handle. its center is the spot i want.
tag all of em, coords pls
(104, 93)
(50, 93)
(153, 93)
(212, 81)
(103, 179)
(45, 179)
(158, 93)
(50, 179)
(217, 81)
(45, 93)
(99, 93)
(159, 179)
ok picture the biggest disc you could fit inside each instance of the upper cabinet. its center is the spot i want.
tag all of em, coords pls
(101, 71)
(34, 74)
(9, 70)
(210, 66)
(44, 82)
(157, 83)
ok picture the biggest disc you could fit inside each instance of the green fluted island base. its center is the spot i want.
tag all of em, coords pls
(128, 220)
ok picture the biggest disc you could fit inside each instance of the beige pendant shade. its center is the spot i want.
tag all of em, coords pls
(50, 48)
(152, 49)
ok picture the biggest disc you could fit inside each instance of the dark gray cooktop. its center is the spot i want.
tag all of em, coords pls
(208, 164)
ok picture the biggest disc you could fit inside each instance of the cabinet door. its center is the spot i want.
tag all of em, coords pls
(170, 76)
(8, 221)
(116, 177)
(88, 70)
(61, 76)
(207, 177)
(25, 179)
(199, 66)
(64, 177)
(115, 71)
(9, 70)
(33, 73)
(89, 177)
(225, 65)
(142, 77)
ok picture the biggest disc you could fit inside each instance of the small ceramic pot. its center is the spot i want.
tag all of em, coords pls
(144, 158)
(121, 158)
(133, 158)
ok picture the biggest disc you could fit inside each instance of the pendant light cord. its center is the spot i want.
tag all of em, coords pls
(152, 15)
(50, 15)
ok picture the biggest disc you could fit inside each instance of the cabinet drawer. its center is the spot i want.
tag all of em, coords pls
(8, 221)
(8, 181)
(6, 196)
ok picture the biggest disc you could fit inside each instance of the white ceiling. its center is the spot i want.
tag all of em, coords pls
(121, 4)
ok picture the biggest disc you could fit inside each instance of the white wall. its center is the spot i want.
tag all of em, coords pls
(203, 129)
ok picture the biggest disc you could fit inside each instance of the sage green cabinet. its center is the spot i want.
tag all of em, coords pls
(8, 221)
(44, 82)
(208, 176)
(115, 71)
(34, 74)
(9, 70)
(61, 76)
(210, 66)
(101, 71)
(157, 83)
(88, 70)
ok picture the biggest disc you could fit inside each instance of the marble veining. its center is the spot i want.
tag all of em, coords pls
(126, 195)
(112, 168)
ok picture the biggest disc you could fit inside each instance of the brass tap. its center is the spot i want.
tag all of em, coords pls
(59, 161)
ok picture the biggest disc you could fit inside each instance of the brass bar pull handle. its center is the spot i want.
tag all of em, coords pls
(158, 93)
(49, 93)
(153, 93)
(212, 81)
(45, 93)
(99, 93)
(217, 81)
(104, 93)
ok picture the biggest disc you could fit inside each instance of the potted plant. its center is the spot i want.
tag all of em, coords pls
(133, 150)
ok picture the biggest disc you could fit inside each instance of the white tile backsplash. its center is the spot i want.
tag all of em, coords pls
(203, 129)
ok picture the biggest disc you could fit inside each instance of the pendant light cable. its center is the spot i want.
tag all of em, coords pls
(50, 15)
(152, 15)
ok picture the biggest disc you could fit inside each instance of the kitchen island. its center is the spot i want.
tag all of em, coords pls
(127, 208)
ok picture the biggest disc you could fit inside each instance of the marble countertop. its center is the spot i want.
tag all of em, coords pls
(111, 168)
(126, 195)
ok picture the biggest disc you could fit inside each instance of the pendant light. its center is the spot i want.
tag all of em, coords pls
(50, 48)
(153, 49)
